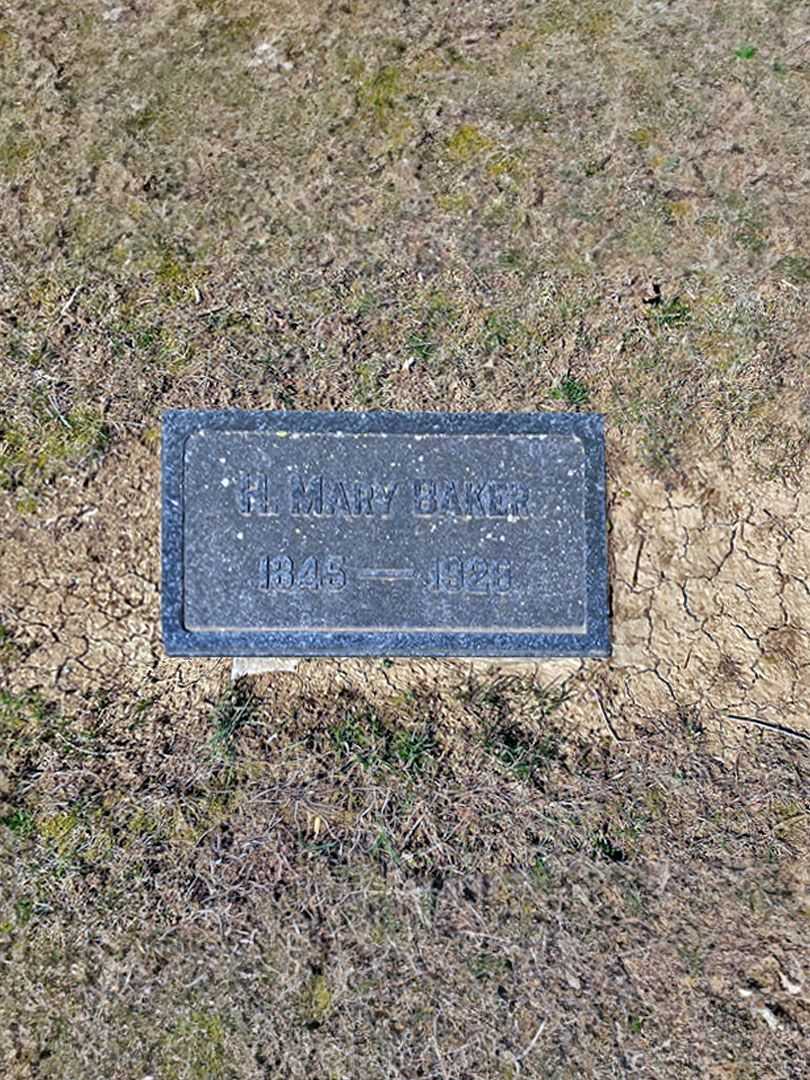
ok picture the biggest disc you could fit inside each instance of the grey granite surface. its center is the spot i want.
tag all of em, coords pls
(296, 534)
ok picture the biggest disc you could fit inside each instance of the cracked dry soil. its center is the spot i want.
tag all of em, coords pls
(710, 600)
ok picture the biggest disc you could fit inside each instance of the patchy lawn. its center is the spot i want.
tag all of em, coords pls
(379, 868)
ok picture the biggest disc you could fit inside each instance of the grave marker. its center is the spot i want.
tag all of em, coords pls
(384, 534)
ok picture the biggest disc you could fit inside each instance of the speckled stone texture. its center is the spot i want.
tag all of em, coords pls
(393, 534)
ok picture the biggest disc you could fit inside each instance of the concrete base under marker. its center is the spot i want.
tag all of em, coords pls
(262, 665)
(559, 667)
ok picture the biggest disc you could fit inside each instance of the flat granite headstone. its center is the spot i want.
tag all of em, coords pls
(384, 534)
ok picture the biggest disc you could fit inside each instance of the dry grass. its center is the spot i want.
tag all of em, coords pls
(375, 870)
(299, 879)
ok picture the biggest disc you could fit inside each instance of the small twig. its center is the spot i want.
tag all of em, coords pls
(91, 752)
(487, 937)
(770, 725)
(519, 1057)
(613, 730)
(55, 409)
(69, 302)
(439, 1058)
(65, 308)
(638, 560)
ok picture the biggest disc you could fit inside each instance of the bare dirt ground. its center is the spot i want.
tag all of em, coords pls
(381, 868)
